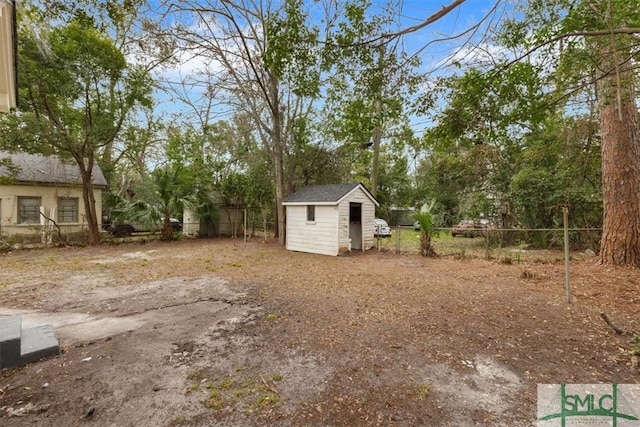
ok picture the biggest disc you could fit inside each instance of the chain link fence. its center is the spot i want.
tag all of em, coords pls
(507, 245)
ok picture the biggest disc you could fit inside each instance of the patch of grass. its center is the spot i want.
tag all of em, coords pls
(518, 257)
(227, 383)
(423, 391)
(461, 255)
(178, 421)
(248, 394)
(197, 375)
(236, 264)
(409, 240)
(266, 400)
(215, 400)
(271, 316)
(635, 348)
(194, 387)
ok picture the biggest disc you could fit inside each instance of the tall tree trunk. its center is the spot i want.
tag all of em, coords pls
(278, 142)
(167, 229)
(279, 198)
(90, 207)
(377, 131)
(85, 164)
(620, 156)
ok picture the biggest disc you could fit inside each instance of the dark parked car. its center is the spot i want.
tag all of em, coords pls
(127, 228)
(470, 228)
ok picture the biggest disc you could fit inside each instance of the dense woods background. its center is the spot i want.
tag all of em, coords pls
(531, 107)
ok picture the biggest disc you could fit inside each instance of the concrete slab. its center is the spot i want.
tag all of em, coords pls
(72, 328)
(37, 343)
(10, 341)
(10, 328)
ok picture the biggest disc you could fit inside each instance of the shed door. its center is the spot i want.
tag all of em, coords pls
(355, 225)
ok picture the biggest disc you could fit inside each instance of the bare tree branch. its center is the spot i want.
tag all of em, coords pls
(585, 33)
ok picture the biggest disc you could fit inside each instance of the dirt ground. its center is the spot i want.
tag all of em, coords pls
(212, 332)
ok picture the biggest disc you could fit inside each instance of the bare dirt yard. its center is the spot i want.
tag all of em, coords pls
(210, 332)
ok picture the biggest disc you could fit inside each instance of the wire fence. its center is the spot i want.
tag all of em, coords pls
(507, 245)
(78, 234)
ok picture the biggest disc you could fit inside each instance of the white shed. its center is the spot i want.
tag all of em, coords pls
(329, 219)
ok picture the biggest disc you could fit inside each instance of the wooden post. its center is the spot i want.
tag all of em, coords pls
(486, 241)
(565, 216)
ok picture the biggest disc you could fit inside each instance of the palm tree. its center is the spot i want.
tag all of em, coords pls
(427, 227)
(167, 197)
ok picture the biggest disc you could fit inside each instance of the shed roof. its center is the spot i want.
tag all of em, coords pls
(36, 168)
(325, 194)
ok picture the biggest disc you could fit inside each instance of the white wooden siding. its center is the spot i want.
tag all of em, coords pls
(368, 216)
(319, 237)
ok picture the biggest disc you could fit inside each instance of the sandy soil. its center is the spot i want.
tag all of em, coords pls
(199, 333)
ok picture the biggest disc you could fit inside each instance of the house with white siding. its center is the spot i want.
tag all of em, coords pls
(35, 187)
(330, 219)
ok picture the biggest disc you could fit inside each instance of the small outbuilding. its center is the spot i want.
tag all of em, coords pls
(330, 219)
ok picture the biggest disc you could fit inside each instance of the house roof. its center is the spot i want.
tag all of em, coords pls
(36, 168)
(331, 194)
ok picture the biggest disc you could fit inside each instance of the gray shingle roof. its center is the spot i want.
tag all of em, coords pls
(46, 170)
(322, 193)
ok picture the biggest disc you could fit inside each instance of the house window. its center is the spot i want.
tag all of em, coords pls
(67, 209)
(29, 210)
(311, 213)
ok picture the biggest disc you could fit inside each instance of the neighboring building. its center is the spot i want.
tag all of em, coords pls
(330, 219)
(31, 184)
(402, 216)
(230, 222)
